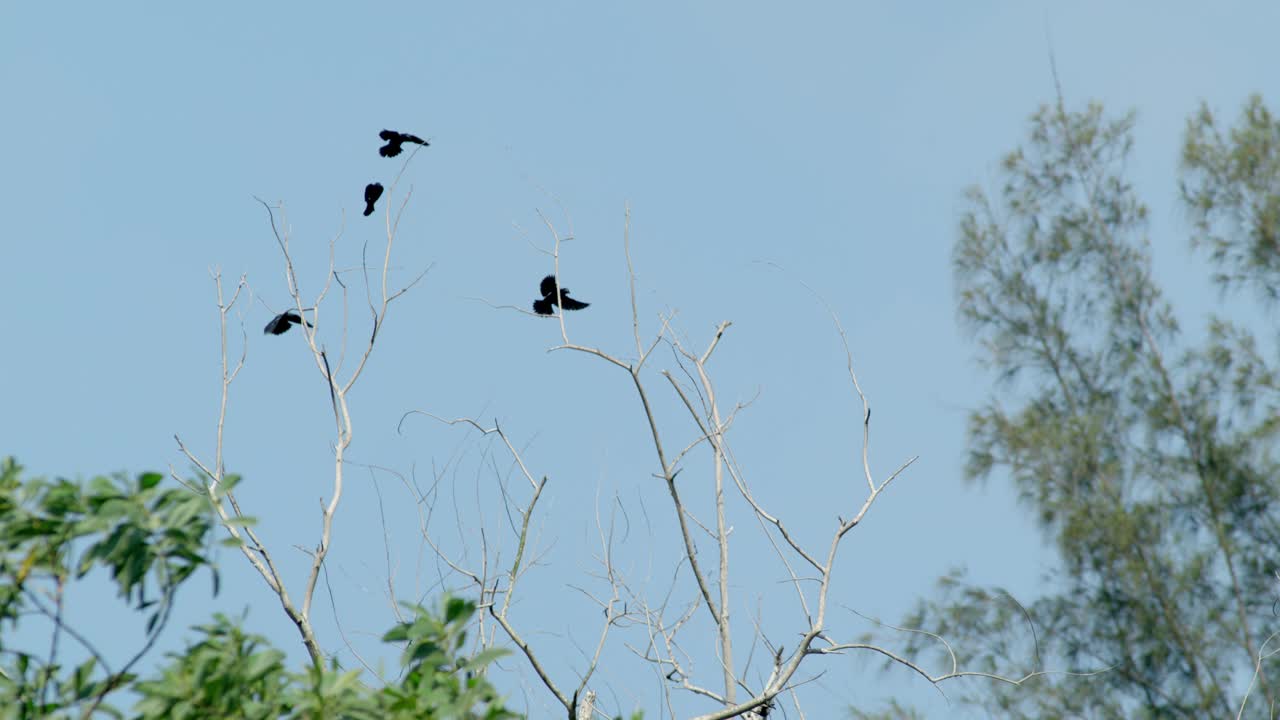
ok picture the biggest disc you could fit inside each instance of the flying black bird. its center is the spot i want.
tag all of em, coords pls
(372, 192)
(395, 140)
(548, 290)
(282, 322)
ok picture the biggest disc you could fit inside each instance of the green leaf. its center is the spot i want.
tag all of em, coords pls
(146, 481)
(484, 657)
(242, 521)
(458, 608)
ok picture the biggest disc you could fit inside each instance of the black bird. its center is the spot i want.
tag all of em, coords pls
(548, 290)
(282, 322)
(372, 192)
(395, 140)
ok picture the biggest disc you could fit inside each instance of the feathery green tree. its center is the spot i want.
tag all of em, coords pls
(1147, 454)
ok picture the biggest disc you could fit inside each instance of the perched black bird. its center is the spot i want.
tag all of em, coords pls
(282, 322)
(395, 140)
(372, 192)
(548, 290)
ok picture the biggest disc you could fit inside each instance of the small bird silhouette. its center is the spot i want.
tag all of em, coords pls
(548, 290)
(282, 322)
(372, 192)
(395, 140)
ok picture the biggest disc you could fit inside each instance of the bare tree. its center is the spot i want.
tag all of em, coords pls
(658, 628)
(379, 295)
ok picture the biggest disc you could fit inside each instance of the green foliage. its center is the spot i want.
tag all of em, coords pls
(150, 539)
(52, 532)
(439, 681)
(1231, 186)
(145, 536)
(227, 673)
(331, 693)
(30, 688)
(1149, 464)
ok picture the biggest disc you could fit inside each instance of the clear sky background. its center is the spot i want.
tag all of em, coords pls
(832, 139)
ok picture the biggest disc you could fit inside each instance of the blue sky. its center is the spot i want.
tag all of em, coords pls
(832, 139)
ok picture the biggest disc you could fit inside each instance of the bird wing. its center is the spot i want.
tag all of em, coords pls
(277, 325)
(388, 134)
(569, 303)
(547, 286)
(542, 307)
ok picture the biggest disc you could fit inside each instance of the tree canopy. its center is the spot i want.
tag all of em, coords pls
(151, 539)
(1146, 451)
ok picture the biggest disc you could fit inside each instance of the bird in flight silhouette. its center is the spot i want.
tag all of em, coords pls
(395, 141)
(282, 322)
(372, 192)
(548, 290)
